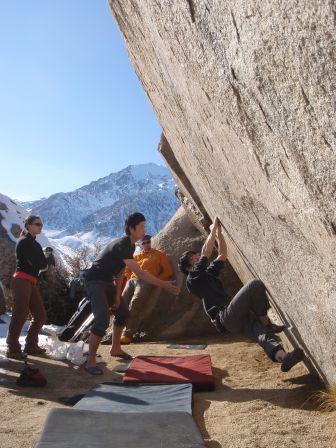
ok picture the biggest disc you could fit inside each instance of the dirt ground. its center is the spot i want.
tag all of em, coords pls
(254, 404)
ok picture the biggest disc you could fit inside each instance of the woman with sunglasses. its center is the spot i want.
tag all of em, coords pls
(30, 260)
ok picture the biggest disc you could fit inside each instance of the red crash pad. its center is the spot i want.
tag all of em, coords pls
(172, 369)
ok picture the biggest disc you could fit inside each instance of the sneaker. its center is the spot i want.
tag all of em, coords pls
(125, 340)
(16, 354)
(291, 359)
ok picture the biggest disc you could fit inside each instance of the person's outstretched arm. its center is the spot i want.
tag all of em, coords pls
(151, 279)
(222, 248)
(209, 244)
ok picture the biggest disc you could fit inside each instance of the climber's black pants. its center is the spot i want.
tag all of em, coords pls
(242, 313)
(102, 296)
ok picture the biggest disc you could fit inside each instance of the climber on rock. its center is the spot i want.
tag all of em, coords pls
(246, 312)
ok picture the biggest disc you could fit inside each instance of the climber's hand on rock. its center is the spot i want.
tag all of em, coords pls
(170, 286)
(215, 224)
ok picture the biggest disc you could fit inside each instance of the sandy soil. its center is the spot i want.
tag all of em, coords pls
(254, 404)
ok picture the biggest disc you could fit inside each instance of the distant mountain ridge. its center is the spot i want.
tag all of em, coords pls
(100, 207)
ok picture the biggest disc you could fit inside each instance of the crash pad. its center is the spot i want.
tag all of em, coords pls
(195, 369)
(138, 398)
(67, 428)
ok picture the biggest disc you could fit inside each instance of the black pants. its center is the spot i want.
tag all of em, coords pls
(242, 316)
(102, 295)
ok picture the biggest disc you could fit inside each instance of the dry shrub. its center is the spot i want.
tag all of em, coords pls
(81, 259)
(53, 285)
(327, 403)
(327, 399)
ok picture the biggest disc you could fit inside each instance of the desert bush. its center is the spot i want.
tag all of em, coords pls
(327, 403)
(81, 259)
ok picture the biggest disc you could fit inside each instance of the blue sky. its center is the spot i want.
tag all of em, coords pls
(71, 108)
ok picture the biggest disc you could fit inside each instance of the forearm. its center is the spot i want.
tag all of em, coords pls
(149, 278)
(39, 258)
(43, 264)
(146, 276)
(165, 276)
(222, 247)
(209, 244)
(119, 283)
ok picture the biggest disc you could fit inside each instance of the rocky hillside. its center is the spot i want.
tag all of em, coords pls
(245, 95)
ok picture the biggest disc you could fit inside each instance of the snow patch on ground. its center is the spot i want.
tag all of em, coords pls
(66, 245)
(73, 352)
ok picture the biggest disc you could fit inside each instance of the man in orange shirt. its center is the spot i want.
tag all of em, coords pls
(139, 296)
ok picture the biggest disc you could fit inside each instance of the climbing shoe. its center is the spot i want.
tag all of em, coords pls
(274, 328)
(291, 359)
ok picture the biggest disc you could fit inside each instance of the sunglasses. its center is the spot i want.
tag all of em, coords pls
(38, 224)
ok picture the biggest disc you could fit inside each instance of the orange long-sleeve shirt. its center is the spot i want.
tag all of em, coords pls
(155, 262)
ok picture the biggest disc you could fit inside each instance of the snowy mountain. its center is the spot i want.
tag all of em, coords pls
(12, 216)
(97, 211)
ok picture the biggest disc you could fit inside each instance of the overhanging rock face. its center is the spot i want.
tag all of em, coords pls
(245, 94)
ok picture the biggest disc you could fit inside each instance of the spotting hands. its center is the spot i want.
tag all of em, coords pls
(170, 286)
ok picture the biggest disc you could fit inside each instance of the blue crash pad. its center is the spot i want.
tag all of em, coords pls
(138, 398)
(68, 428)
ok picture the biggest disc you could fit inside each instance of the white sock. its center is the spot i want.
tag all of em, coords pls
(280, 354)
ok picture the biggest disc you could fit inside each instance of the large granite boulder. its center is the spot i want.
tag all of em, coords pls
(245, 95)
(182, 316)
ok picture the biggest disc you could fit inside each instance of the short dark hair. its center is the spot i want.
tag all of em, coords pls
(132, 221)
(184, 262)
